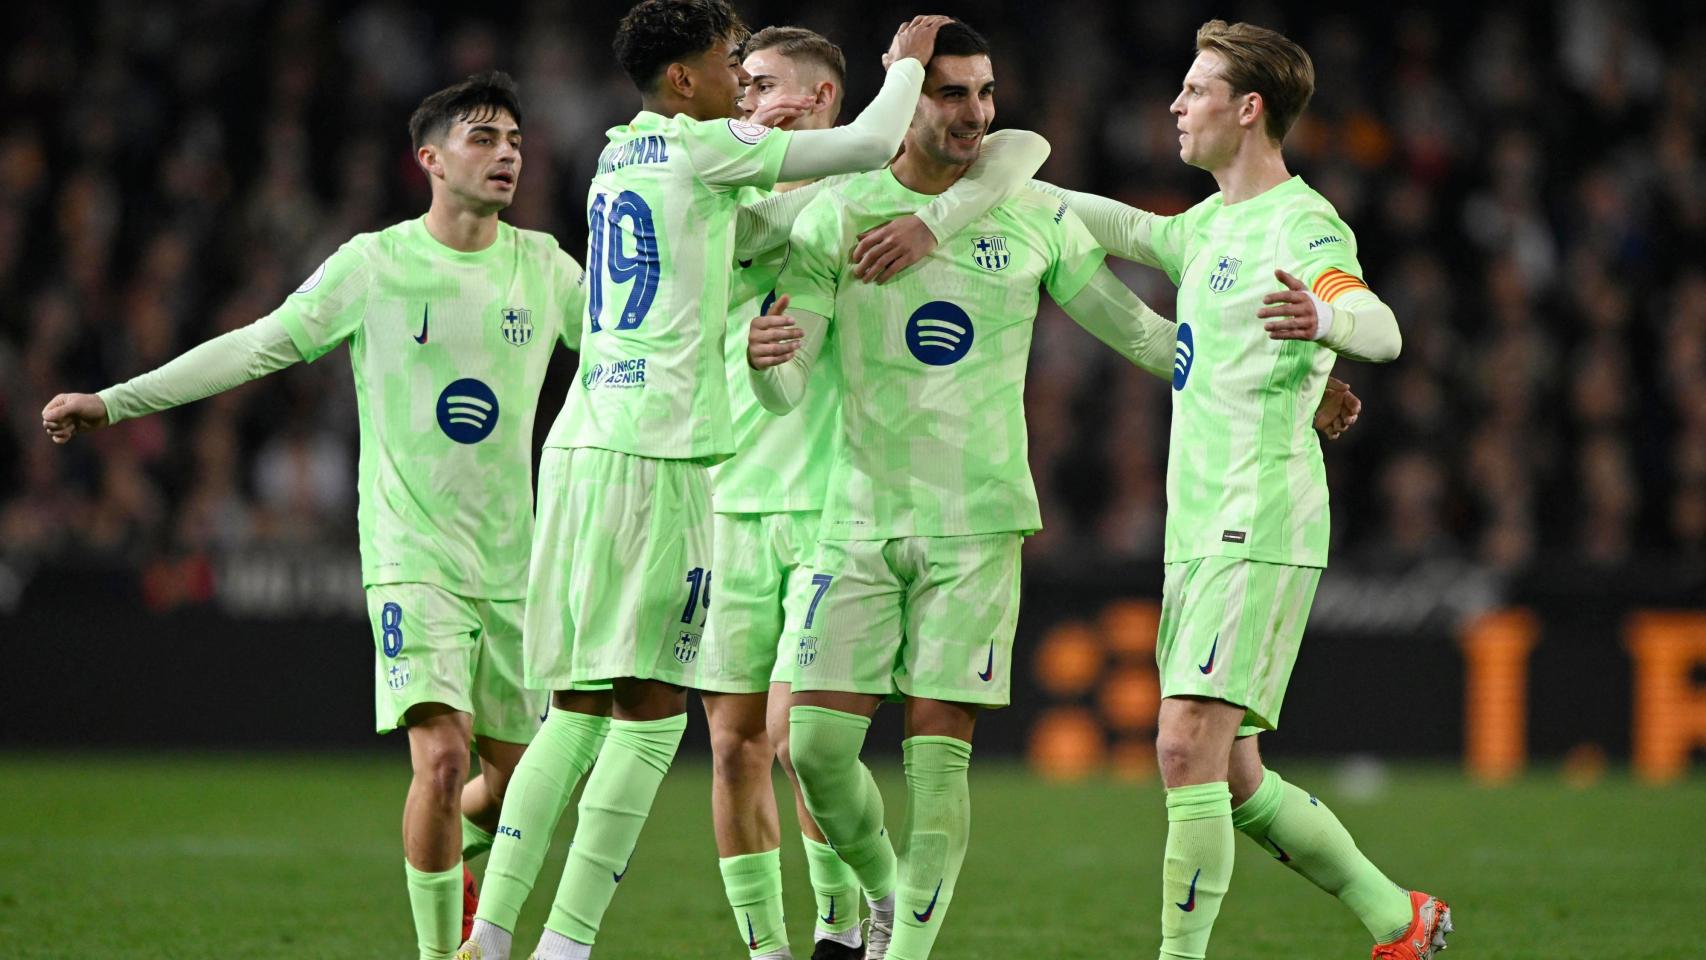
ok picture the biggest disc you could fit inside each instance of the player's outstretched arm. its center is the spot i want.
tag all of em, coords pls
(1115, 316)
(1120, 228)
(780, 351)
(1008, 160)
(224, 362)
(1351, 322)
(873, 137)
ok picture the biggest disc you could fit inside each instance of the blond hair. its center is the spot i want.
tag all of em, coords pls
(1259, 60)
(798, 43)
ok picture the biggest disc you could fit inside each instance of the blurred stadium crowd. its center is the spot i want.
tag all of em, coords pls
(1527, 186)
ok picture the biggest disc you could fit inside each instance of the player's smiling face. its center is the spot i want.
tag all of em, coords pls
(480, 159)
(955, 110)
(1212, 117)
(717, 81)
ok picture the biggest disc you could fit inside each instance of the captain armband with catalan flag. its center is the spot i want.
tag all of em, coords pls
(1354, 323)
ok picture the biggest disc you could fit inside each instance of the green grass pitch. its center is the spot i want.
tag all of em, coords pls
(239, 857)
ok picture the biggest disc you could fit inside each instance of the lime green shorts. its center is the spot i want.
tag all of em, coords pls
(432, 646)
(760, 559)
(620, 579)
(928, 617)
(1230, 630)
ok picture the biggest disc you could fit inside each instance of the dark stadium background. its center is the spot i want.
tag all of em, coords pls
(1526, 182)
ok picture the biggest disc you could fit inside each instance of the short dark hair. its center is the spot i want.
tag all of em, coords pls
(657, 33)
(471, 99)
(958, 39)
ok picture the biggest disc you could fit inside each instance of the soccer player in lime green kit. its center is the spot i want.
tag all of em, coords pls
(621, 574)
(1247, 517)
(450, 319)
(768, 500)
(914, 588)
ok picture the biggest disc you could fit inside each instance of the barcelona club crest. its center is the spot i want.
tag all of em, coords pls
(1225, 274)
(808, 651)
(687, 648)
(990, 253)
(518, 325)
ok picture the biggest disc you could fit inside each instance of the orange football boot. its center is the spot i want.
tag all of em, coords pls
(1430, 921)
(470, 902)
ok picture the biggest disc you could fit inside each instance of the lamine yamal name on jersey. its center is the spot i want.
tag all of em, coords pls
(647, 149)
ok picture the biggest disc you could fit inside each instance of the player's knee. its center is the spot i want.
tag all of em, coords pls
(1180, 757)
(443, 768)
(813, 762)
(738, 752)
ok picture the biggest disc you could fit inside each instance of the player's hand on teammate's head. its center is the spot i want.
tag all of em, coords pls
(1338, 410)
(916, 38)
(1293, 313)
(883, 252)
(780, 110)
(69, 414)
(773, 338)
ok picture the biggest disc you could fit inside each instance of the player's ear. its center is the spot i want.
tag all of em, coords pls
(824, 96)
(677, 79)
(1250, 113)
(427, 156)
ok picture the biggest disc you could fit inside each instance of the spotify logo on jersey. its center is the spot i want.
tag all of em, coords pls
(467, 411)
(939, 333)
(1184, 352)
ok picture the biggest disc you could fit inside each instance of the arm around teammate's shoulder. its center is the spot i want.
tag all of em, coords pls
(1115, 316)
(1120, 228)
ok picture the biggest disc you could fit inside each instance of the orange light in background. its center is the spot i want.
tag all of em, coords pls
(1130, 699)
(1495, 704)
(1066, 743)
(1103, 669)
(1670, 709)
(1130, 626)
(1069, 660)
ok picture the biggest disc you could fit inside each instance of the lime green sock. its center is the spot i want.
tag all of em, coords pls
(539, 789)
(614, 807)
(753, 882)
(1299, 830)
(835, 887)
(475, 841)
(436, 899)
(938, 827)
(840, 793)
(1198, 869)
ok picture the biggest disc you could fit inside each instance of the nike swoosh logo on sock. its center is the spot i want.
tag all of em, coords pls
(831, 917)
(925, 916)
(1191, 901)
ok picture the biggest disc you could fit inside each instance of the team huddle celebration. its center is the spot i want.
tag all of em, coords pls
(791, 475)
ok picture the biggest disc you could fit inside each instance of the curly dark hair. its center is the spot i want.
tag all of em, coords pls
(480, 94)
(657, 33)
